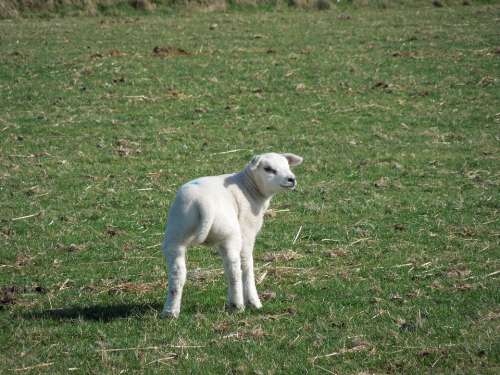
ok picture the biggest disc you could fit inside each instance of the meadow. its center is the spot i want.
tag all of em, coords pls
(385, 260)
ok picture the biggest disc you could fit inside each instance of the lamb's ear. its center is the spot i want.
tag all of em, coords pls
(254, 163)
(293, 159)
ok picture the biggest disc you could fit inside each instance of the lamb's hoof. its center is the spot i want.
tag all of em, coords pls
(256, 305)
(165, 314)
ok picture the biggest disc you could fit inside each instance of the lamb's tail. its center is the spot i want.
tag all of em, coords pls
(207, 216)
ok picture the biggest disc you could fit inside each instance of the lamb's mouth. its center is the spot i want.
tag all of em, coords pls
(290, 186)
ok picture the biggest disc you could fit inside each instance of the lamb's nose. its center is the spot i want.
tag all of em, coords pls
(292, 180)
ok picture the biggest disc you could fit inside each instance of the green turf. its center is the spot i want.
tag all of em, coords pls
(395, 268)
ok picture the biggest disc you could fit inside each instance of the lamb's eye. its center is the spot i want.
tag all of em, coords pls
(270, 170)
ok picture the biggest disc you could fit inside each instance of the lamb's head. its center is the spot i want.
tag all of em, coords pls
(271, 172)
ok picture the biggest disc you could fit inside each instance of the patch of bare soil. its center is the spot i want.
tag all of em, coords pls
(10, 293)
(169, 51)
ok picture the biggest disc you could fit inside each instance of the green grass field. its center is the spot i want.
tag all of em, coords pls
(395, 264)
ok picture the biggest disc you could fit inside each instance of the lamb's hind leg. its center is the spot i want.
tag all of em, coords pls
(176, 260)
(230, 252)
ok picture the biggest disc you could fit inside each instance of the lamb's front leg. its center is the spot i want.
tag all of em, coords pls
(249, 289)
(230, 252)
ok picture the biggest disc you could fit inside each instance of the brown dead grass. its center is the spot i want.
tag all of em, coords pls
(110, 287)
(282, 256)
(17, 8)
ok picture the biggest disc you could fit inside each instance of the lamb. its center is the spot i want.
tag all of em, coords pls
(225, 211)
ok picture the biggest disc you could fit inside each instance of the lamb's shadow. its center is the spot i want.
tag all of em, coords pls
(102, 313)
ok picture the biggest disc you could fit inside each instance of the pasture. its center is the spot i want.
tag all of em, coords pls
(386, 258)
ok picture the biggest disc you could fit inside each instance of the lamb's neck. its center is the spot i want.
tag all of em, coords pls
(252, 190)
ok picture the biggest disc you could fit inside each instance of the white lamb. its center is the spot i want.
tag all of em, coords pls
(225, 211)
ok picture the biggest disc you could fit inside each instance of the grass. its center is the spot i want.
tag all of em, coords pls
(395, 268)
